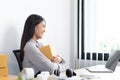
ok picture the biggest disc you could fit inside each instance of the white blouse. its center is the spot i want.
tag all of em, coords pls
(33, 58)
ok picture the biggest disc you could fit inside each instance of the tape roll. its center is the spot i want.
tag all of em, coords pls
(27, 73)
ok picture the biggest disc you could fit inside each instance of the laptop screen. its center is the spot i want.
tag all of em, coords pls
(113, 60)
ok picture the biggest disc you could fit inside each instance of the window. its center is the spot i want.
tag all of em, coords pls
(101, 25)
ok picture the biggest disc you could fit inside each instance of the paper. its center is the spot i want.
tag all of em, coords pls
(89, 76)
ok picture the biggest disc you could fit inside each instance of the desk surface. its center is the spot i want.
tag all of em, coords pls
(99, 76)
(94, 76)
(13, 77)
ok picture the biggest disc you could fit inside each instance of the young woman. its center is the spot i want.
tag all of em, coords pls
(31, 56)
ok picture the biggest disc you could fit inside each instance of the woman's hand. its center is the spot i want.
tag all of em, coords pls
(57, 59)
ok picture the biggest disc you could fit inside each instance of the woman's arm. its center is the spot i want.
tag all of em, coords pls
(38, 59)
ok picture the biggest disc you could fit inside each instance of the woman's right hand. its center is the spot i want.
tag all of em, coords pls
(57, 59)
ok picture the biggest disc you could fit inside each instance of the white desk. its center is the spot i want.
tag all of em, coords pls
(13, 77)
(101, 76)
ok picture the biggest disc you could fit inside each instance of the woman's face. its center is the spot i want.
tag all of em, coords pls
(39, 30)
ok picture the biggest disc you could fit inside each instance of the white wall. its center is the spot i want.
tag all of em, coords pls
(13, 14)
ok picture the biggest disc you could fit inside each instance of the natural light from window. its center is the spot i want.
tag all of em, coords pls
(102, 25)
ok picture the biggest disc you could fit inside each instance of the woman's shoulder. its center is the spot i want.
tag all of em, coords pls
(30, 44)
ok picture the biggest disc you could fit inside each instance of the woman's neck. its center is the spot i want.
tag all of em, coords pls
(34, 38)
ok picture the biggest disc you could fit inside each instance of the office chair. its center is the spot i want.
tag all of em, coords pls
(17, 55)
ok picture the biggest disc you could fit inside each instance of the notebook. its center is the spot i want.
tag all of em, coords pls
(109, 66)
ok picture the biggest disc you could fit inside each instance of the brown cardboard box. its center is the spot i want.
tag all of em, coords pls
(47, 51)
(3, 60)
(4, 71)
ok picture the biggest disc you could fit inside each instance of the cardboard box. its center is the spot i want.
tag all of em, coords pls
(3, 60)
(47, 51)
(4, 71)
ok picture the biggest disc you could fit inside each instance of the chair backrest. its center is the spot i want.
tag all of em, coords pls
(17, 55)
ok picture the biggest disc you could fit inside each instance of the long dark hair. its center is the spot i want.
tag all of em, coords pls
(29, 29)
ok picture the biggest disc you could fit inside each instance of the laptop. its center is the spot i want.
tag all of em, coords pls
(110, 65)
